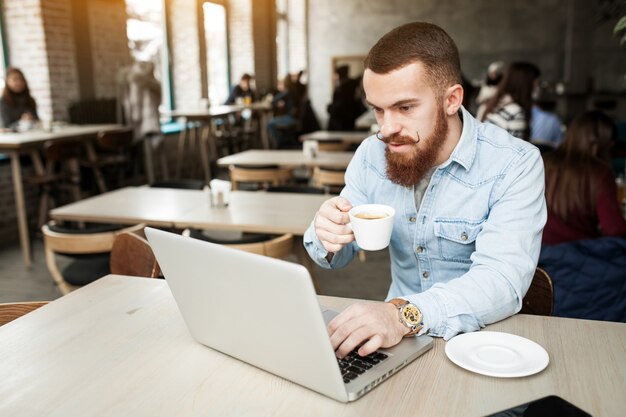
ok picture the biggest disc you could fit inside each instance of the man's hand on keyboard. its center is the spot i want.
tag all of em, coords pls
(372, 325)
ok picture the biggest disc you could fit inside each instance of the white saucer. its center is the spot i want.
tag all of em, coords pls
(497, 354)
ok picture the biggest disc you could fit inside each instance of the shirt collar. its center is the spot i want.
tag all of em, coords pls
(465, 151)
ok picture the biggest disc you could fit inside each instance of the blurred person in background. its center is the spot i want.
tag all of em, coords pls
(286, 106)
(17, 106)
(346, 105)
(511, 107)
(243, 91)
(581, 193)
(490, 85)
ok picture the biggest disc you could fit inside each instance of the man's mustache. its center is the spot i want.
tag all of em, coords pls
(400, 140)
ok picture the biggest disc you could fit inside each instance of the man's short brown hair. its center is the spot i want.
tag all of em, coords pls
(413, 42)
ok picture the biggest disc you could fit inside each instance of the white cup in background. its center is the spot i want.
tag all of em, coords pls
(310, 148)
(220, 193)
(372, 225)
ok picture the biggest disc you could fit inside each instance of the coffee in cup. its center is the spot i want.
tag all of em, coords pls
(372, 225)
(371, 216)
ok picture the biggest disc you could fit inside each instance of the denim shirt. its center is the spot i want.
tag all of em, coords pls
(467, 255)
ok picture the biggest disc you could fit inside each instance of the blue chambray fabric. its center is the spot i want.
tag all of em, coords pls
(467, 255)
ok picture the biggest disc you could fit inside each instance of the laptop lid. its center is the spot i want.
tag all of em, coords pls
(262, 311)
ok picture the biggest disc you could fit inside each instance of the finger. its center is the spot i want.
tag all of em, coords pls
(372, 345)
(356, 338)
(333, 214)
(330, 226)
(333, 237)
(342, 203)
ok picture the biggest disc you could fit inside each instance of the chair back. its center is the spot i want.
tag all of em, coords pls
(12, 311)
(262, 176)
(115, 140)
(76, 242)
(280, 247)
(132, 255)
(332, 180)
(332, 146)
(539, 299)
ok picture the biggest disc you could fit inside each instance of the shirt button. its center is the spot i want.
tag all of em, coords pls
(463, 236)
(426, 275)
(419, 249)
(412, 219)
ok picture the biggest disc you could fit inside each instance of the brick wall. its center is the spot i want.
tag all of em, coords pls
(185, 53)
(27, 48)
(41, 42)
(241, 45)
(61, 55)
(297, 35)
(110, 52)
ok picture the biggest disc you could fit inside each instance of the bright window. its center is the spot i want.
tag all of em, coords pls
(145, 29)
(216, 52)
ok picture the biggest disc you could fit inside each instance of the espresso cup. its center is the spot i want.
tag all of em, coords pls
(372, 225)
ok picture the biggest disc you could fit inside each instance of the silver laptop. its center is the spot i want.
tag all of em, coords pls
(265, 312)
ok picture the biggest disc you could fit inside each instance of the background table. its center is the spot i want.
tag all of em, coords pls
(205, 134)
(120, 347)
(30, 142)
(252, 158)
(351, 137)
(248, 211)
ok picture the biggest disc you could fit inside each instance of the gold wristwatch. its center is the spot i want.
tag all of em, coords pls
(410, 315)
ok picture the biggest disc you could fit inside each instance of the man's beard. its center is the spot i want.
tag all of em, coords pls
(407, 168)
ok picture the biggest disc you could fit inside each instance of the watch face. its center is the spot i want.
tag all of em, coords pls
(412, 314)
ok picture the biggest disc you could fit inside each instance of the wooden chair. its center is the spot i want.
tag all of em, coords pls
(539, 299)
(333, 146)
(262, 176)
(112, 149)
(79, 242)
(132, 255)
(273, 246)
(330, 179)
(12, 311)
(279, 247)
(60, 175)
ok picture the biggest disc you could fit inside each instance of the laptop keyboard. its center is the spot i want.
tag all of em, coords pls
(354, 365)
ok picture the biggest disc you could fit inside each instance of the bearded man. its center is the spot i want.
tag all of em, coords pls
(469, 201)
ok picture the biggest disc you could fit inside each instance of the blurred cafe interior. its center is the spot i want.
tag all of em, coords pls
(232, 121)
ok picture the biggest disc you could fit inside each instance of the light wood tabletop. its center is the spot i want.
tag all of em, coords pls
(15, 144)
(343, 136)
(216, 111)
(120, 347)
(293, 158)
(248, 211)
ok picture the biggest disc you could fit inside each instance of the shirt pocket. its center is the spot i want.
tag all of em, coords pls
(456, 238)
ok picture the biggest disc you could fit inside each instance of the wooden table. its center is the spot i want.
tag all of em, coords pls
(30, 142)
(206, 136)
(248, 211)
(293, 158)
(120, 347)
(351, 137)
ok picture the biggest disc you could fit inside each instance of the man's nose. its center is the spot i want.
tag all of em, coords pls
(390, 127)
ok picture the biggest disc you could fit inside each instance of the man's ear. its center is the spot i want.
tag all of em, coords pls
(453, 99)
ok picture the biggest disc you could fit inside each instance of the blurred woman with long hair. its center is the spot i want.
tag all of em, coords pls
(16, 103)
(511, 107)
(581, 193)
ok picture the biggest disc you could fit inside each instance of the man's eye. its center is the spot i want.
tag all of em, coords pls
(405, 108)
(377, 110)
